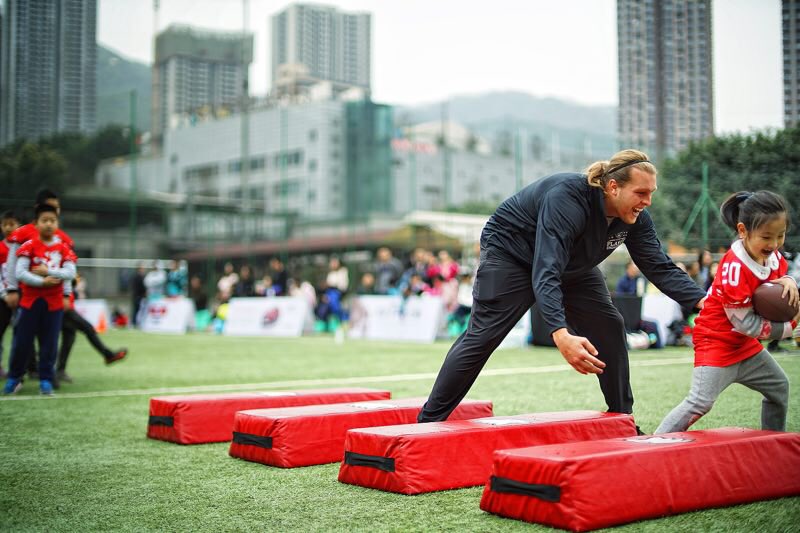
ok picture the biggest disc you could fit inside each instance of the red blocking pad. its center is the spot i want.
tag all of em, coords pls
(205, 418)
(590, 485)
(314, 434)
(454, 454)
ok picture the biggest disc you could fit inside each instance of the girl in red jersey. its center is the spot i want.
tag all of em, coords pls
(727, 331)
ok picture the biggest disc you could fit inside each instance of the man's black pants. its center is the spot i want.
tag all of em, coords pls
(502, 293)
(74, 322)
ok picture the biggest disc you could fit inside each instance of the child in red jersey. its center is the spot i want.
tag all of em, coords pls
(727, 331)
(8, 223)
(44, 268)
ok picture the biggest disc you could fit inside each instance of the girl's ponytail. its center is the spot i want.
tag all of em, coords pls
(730, 208)
(753, 209)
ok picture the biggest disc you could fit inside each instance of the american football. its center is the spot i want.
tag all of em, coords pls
(768, 303)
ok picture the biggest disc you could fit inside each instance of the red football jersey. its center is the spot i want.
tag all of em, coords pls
(23, 234)
(3, 260)
(716, 343)
(53, 255)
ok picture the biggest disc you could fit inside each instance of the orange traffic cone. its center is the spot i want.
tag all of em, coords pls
(102, 325)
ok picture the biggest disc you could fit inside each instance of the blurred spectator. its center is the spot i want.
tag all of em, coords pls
(448, 268)
(119, 318)
(305, 290)
(154, 282)
(704, 260)
(245, 287)
(367, 284)
(197, 292)
(415, 286)
(265, 287)
(419, 264)
(694, 272)
(176, 279)
(794, 266)
(138, 292)
(631, 282)
(459, 318)
(226, 283)
(436, 286)
(279, 276)
(387, 271)
(80, 288)
(338, 277)
(323, 311)
(712, 272)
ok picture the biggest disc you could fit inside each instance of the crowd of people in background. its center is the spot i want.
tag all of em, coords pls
(327, 291)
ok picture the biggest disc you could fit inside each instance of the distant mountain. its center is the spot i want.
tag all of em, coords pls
(543, 121)
(116, 77)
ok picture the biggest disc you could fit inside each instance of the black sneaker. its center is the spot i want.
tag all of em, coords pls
(62, 375)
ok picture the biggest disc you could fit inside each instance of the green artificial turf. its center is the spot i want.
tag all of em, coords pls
(81, 461)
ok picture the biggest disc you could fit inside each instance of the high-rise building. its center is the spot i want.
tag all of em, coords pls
(48, 68)
(199, 72)
(666, 89)
(791, 62)
(321, 43)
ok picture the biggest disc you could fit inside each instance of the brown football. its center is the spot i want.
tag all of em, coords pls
(768, 303)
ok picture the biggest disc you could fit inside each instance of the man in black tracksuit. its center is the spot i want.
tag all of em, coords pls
(544, 244)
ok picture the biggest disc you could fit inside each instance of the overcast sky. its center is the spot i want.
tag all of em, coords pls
(427, 50)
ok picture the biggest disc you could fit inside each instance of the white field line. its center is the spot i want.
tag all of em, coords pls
(328, 382)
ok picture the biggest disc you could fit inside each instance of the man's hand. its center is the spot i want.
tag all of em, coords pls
(67, 304)
(12, 299)
(578, 351)
(701, 303)
(40, 270)
(790, 288)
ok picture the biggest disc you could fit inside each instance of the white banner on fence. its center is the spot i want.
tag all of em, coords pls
(417, 318)
(268, 316)
(662, 310)
(168, 315)
(96, 312)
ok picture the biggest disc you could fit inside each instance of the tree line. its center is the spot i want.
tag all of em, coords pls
(58, 161)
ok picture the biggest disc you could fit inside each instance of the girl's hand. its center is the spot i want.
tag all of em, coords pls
(790, 288)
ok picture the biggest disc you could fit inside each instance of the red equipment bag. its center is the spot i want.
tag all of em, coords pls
(204, 418)
(314, 434)
(590, 485)
(455, 454)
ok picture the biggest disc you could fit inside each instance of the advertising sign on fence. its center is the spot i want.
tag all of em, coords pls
(416, 318)
(268, 316)
(168, 315)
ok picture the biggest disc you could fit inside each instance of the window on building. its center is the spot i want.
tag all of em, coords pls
(258, 163)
